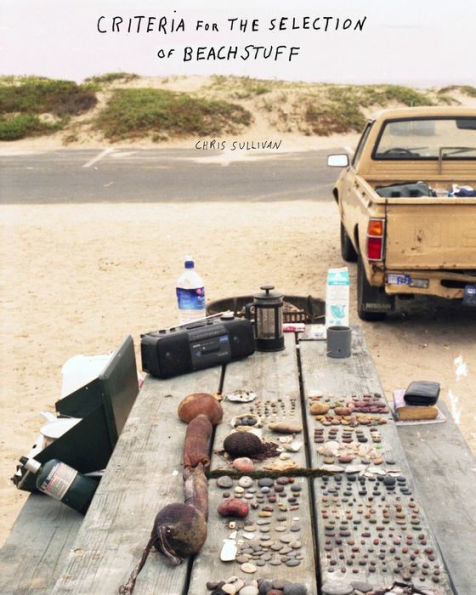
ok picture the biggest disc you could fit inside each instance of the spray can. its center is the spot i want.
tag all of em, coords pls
(62, 482)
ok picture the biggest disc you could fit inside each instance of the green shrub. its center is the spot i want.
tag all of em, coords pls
(133, 113)
(22, 125)
(33, 95)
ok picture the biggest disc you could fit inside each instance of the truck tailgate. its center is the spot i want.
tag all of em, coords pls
(431, 234)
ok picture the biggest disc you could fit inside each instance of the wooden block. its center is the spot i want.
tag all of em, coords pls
(412, 412)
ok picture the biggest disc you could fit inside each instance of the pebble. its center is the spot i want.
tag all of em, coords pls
(361, 586)
(295, 589)
(265, 482)
(248, 568)
(224, 482)
(245, 481)
(243, 464)
(336, 588)
(249, 590)
(264, 586)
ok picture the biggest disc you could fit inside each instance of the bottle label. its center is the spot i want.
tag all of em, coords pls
(191, 299)
(58, 481)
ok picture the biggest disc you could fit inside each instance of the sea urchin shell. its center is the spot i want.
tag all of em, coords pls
(242, 444)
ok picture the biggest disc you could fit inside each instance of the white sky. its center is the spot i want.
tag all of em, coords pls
(415, 42)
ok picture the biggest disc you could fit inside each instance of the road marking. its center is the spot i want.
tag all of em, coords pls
(98, 157)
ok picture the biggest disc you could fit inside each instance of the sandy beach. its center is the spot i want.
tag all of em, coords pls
(78, 278)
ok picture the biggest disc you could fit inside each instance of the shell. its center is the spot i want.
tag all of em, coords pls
(242, 444)
(198, 403)
(293, 446)
(241, 396)
(319, 408)
(285, 427)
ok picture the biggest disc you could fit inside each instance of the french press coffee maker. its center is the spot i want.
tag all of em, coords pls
(268, 319)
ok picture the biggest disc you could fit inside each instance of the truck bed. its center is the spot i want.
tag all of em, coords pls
(431, 233)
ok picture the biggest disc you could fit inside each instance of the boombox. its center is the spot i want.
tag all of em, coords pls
(195, 346)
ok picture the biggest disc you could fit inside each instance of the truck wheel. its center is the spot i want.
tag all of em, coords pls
(347, 249)
(367, 293)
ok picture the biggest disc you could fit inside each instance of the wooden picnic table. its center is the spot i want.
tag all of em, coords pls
(345, 527)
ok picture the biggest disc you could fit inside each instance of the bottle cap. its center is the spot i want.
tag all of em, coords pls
(189, 264)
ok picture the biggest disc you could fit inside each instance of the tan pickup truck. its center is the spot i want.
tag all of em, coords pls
(407, 202)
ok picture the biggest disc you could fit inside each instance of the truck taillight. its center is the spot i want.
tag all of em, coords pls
(375, 236)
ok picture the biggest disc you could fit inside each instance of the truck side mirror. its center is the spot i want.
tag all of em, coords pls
(338, 160)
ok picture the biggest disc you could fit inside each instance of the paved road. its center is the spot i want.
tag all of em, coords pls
(160, 175)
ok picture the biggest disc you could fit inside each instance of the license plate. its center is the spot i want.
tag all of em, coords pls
(469, 298)
(395, 279)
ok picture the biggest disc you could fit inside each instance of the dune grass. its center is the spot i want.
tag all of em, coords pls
(134, 113)
(24, 99)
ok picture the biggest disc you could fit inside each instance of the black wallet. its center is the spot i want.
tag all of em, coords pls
(422, 393)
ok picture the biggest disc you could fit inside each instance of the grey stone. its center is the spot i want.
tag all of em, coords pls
(224, 482)
(264, 586)
(295, 589)
(337, 588)
(361, 586)
(293, 562)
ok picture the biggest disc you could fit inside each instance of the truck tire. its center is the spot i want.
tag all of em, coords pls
(367, 293)
(346, 248)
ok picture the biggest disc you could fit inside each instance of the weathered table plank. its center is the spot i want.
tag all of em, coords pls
(37, 546)
(444, 471)
(370, 525)
(275, 380)
(268, 543)
(143, 475)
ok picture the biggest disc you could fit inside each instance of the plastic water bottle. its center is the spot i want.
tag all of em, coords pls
(190, 293)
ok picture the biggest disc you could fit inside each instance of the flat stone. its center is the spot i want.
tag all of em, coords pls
(245, 481)
(265, 482)
(293, 562)
(224, 482)
(249, 590)
(248, 568)
(295, 589)
(336, 588)
(361, 586)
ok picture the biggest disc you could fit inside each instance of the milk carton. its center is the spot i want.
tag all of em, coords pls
(337, 297)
